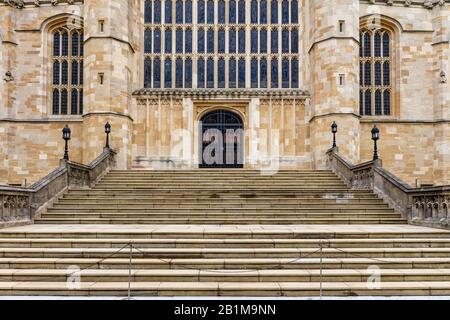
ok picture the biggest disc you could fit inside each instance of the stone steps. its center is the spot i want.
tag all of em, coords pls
(221, 206)
(217, 232)
(215, 215)
(272, 289)
(216, 253)
(224, 243)
(277, 221)
(207, 210)
(223, 233)
(70, 200)
(307, 263)
(207, 197)
(196, 275)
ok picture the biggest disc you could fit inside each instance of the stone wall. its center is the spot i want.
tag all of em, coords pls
(34, 149)
(165, 131)
(415, 140)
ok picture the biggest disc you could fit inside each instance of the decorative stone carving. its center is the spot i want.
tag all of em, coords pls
(432, 208)
(8, 77)
(19, 4)
(363, 179)
(430, 4)
(443, 77)
(226, 93)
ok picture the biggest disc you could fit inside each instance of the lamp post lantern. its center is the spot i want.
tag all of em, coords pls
(375, 138)
(334, 128)
(66, 136)
(107, 131)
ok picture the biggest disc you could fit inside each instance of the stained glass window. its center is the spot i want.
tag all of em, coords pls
(254, 41)
(221, 41)
(232, 39)
(201, 11)
(179, 73)
(67, 71)
(179, 11)
(201, 73)
(274, 41)
(294, 73)
(168, 73)
(232, 11)
(201, 40)
(221, 73)
(232, 73)
(285, 11)
(294, 11)
(168, 11)
(241, 73)
(254, 73)
(168, 41)
(221, 53)
(274, 73)
(148, 11)
(263, 12)
(188, 73)
(188, 41)
(263, 41)
(210, 73)
(179, 42)
(188, 13)
(285, 73)
(210, 12)
(254, 11)
(241, 12)
(375, 72)
(221, 11)
(274, 12)
(263, 73)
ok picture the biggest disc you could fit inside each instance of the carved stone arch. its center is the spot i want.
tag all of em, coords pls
(61, 19)
(385, 22)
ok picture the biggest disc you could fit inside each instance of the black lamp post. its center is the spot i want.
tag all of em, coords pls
(107, 131)
(375, 138)
(66, 136)
(334, 128)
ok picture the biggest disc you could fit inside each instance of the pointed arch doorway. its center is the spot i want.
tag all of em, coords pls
(221, 140)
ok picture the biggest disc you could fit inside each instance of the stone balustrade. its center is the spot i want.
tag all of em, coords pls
(428, 206)
(21, 205)
(432, 206)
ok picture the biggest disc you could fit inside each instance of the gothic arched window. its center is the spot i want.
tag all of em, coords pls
(221, 11)
(263, 73)
(254, 73)
(67, 71)
(226, 47)
(375, 72)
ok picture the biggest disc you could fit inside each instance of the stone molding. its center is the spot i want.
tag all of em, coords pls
(221, 93)
(22, 205)
(428, 206)
(20, 4)
(427, 4)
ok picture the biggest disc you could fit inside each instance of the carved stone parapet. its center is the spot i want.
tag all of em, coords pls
(14, 206)
(22, 204)
(431, 207)
(424, 206)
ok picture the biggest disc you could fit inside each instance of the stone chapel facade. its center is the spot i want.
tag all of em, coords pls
(280, 70)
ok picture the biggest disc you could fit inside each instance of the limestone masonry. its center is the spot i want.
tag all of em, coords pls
(287, 69)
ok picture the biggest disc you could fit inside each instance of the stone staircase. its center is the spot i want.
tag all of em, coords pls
(220, 197)
(226, 233)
